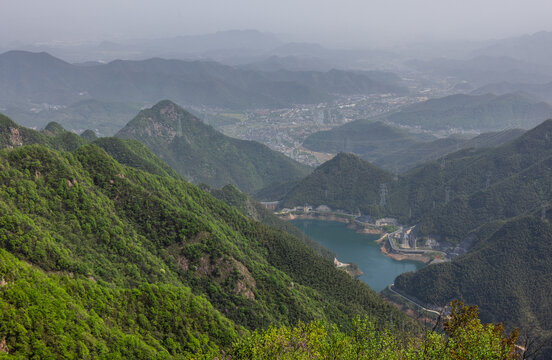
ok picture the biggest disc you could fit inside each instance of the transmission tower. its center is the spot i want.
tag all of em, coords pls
(383, 195)
(447, 195)
(179, 128)
(488, 182)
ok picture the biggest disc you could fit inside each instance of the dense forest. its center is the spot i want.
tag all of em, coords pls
(108, 242)
(485, 200)
(203, 155)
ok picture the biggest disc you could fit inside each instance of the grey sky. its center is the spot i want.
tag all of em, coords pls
(370, 22)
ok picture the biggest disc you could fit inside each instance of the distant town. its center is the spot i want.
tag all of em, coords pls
(285, 129)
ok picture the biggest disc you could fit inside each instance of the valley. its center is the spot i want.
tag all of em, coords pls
(314, 192)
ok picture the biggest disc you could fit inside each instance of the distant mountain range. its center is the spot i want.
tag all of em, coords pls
(482, 70)
(203, 155)
(28, 79)
(105, 117)
(535, 48)
(537, 91)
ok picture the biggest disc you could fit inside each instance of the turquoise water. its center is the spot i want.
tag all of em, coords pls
(350, 246)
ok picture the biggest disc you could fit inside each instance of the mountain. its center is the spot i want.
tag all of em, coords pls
(507, 274)
(402, 159)
(466, 112)
(370, 139)
(395, 149)
(290, 63)
(486, 203)
(537, 91)
(203, 155)
(535, 48)
(481, 112)
(483, 70)
(32, 81)
(135, 154)
(342, 82)
(101, 259)
(448, 198)
(345, 182)
(232, 196)
(37, 78)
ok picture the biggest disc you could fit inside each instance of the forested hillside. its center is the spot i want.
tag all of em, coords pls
(345, 182)
(203, 155)
(398, 150)
(93, 233)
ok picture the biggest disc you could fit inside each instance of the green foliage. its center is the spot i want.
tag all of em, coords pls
(466, 338)
(506, 274)
(346, 182)
(51, 316)
(83, 215)
(203, 155)
(254, 210)
(134, 154)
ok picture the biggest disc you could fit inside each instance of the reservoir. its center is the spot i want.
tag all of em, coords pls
(350, 246)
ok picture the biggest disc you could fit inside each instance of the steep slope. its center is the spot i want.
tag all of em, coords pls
(254, 210)
(135, 154)
(495, 183)
(345, 182)
(59, 315)
(201, 154)
(507, 275)
(54, 136)
(82, 215)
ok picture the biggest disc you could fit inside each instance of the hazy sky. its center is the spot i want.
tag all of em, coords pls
(331, 22)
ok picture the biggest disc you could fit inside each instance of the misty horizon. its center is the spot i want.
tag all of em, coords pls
(349, 24)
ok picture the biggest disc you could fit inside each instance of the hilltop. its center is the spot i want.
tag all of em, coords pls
(203, 155)
(345, 182)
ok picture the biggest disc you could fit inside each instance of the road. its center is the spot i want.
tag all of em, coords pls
(390, 287)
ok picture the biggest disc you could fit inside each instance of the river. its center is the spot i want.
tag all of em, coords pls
(350, 246)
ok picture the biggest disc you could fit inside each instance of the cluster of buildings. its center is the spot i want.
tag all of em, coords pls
(284, 130)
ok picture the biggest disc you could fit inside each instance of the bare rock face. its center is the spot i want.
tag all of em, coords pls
(15, 137)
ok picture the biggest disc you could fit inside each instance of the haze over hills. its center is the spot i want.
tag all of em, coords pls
(203, 155)
(485, 112)
(103, 116)
(483, 70)
(537, 91)
(36, 78)
(535, 48)
(395, 149)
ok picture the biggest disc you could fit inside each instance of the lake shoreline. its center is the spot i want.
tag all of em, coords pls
(361, 230)
(355, 247)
